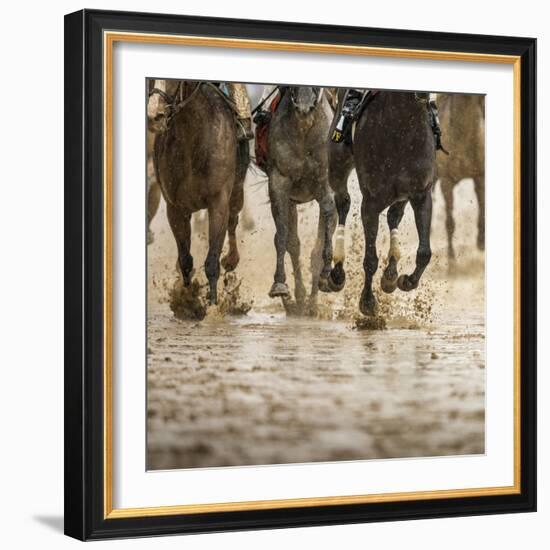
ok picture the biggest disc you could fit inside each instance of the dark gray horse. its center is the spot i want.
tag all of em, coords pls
(298, 173)
(199, 164)
(394, 154)
(462, 119)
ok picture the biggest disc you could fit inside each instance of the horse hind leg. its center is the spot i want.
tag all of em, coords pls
(180, 223)
(321, 255)
(153, 201)
(279, 198)
(337, 277)
(327, 225)
(447, 189)
(369, 216)
(389, 277)
(479, 187)
(293, 248)
(422, 207)
(218, 214)
(232, 258)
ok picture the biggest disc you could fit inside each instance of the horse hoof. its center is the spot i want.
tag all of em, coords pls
(389, 277)
(324, 284)
(388, 285)
(279, 290)
(230, 263)
(405, 284)
(337, 278)
(367, 306)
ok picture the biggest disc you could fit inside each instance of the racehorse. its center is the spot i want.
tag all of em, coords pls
(199, 164)
(153, 189)
(297, 168)
(462, 118)
(393, 151)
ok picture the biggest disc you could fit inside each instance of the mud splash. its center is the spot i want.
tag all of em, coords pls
(191, 303)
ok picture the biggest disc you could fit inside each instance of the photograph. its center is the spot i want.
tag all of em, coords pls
(300, 274)
(315, 273)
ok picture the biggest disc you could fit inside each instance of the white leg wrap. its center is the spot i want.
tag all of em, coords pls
(339, 254)
(395, 251)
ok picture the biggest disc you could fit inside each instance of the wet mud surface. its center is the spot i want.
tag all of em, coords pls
(263, 388)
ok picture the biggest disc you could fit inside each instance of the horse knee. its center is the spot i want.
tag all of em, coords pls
(293, 246)
(327, 206)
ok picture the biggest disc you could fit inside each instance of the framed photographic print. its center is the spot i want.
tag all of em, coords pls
(300, 274)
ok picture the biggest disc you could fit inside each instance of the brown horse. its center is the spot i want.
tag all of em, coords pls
(153, 189)
(199, 164)
(462, 118)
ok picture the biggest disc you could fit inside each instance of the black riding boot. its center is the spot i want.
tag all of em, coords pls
(351, 103)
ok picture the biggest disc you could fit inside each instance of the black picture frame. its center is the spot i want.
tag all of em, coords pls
(84, 284)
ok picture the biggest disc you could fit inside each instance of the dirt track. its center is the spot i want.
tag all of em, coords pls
(264, 388)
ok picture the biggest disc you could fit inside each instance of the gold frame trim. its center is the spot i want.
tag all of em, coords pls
(109, 39)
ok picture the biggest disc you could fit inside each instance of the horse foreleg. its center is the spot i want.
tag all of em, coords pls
(389, 278)
(231, 260)
(316, 262)
(180, 223)
(327, 214)
(218, 214)
(447, 188)
(422, 207)
(279, 187)
(293, 248)
(369, 216)
(479, 186)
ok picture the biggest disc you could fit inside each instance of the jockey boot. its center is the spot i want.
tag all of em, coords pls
(350, 107)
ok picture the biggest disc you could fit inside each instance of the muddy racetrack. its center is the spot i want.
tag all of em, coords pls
(264, 388)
